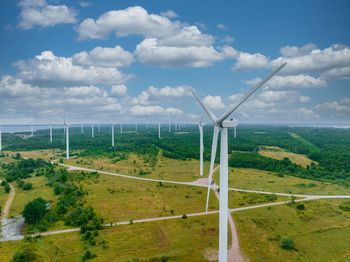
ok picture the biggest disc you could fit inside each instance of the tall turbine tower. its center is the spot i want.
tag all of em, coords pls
(169, 126)
(67, 138)
(136, 126)
(234, 132)
(81, 129)
(0, 139)
(159, 130)
(99, 126)
(31, 129)
(201, 146)
(50, 132)
(92, 130)
(221, 124)
(121, 127)
(112, 134)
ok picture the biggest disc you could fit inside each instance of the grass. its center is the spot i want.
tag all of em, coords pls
(241, 199)
(46, 154)
(3, 198)
(260, 180)
(23, 197)
(137, 242)
(119, 199)
(165, 168)
(308, 144)
(279, 153)
(321, 232)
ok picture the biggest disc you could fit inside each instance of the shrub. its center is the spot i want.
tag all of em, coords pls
(7, 188)
(27, 186)
(79, 216)
(88, 255)
(3, 182)
(34, 210)
(287, 243)
(184, 216)
(301, 207)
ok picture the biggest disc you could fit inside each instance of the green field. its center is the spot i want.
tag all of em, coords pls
(306, 143)
(40, 189)
(254, 179)
(165, 168)
(320, 233)
(145, 241)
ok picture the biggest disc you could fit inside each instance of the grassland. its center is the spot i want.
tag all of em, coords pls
(137, 242)
(260, 180)
(46, 154)
(321, 232)
(23, 197)
(308, 144)
(278, 153)
(3, 198)
(120, 199)
(165, 168)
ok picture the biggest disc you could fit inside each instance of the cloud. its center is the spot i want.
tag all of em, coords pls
(104, 56)
(154, 111)
(132, 20)
(168, 91)
(246, 61)
(24, 100)
(339, 108)
(169, 13)
(142, 99)
(342, 73)
(39, 13)
(291, 82)
(47, 69)
(118, 90)
(221, 26)
(84, 4)
(227, 39)
(294, 51)
(214, 102)
(316, 62)
(304, 99)
(149, 52)
(306, 113)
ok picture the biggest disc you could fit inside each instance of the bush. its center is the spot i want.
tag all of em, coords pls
(27, 186)
(184, 216)
(88, 255)
(34, 210)
(301, 207)
(3, 182)
(7, 188)
(287, 243)
(79, 216)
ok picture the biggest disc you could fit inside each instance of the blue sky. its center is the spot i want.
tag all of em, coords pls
(134, 60)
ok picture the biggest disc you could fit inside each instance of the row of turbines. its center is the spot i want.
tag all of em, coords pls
(221, 124)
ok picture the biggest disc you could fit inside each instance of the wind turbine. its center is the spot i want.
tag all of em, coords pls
(112, 134)
(136, 126)
(67, 138)
(234, 132)
(92, 130)
(99, 126)
(201, 146)
(31, 129)
(0, 139)
(159, 130)
(50, 132)
(169, 126)
(121, 127)
(81, 129)
(221, 124)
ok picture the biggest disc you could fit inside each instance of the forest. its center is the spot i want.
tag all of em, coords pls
(330, 147)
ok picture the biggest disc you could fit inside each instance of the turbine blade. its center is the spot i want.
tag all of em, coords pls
(206, 109)
(262, 82)
(212, 161)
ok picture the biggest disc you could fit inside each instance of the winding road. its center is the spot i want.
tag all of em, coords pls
(5, 211)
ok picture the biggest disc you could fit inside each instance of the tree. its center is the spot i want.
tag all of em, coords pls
(34, 210)
(7, 188)
(27, 186)
(287, 243)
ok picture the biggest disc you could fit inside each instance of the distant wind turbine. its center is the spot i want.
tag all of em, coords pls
(92, 130)
(169, 126)
(67, 138)
(159, 130)
(0, 139)
(201, 146)
(99, 126)
(221, 124)
(121, 127)
(81, 129)
(234, 132)
(112, 126)
(50, 132)
(136, 126)
(31, 129)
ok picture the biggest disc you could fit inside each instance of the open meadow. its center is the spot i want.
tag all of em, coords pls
(319, 229)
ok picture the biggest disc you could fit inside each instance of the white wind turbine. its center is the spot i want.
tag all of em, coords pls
(81, 129)
(221, 124)
(201, 145)
(66, 125)
(121, 127)
(112, 126)
(169, 126)
(92, 130)
(0, 139)
(31, 129)
(136, 126)
(234, 132)
(99, 126)
(159, 130)
(50, 132)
